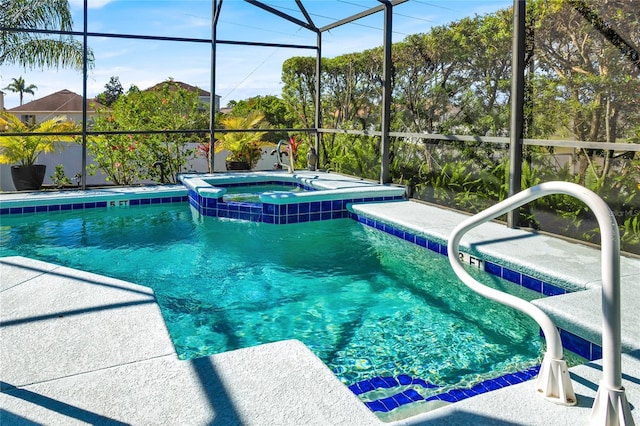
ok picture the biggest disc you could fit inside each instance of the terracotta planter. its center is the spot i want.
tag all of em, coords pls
(28, 178)
(238, 165)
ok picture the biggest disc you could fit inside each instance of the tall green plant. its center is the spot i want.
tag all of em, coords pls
(244, 146)
(25, 150)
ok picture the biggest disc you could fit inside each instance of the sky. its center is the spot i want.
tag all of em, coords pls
(242, 71)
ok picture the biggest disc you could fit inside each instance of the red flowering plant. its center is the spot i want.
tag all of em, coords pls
(294, 144)
(130, 158)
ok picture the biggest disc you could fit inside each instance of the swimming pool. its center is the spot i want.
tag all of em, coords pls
(374, 308)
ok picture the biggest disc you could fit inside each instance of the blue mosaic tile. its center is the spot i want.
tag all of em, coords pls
(424, 384)
(314, 206)
(531, 283)
(325, 206)
(552, 290)
(478, 389)
(269, 208)
(355, 389)
(433, 246)
(458, 394)
(366, 386)
(389, 403)
(376, 406)
(447, 397)
(379, 382)
(408, 236)
(576, 344)
(56, 207)
(596, 352)
(304, 207)
(392, 382)
(493, 385)
(402, 399)
(404, 379)
(65, 207)
(421, 241)
(4, 211)
(512, 379)
(413, 395)
(314, 217)
(510, 275)
(492, 268)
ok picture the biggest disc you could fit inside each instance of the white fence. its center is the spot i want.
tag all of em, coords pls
(71, 160)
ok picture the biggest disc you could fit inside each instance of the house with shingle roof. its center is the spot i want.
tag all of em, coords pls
(202, 94)
(64, 102)
(69, 104)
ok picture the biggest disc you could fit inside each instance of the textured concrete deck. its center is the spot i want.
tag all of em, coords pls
(80, 348)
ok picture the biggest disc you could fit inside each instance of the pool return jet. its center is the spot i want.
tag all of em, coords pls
(553, 383)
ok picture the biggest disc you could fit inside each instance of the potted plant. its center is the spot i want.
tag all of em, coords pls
(25, 149)
(245, 148)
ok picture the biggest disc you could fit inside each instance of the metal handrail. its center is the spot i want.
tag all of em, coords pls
(610, 406)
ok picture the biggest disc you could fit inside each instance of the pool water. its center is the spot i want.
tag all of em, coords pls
(367, 303)
(251, 194)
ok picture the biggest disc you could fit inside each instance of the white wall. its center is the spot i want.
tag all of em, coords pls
(71, 159)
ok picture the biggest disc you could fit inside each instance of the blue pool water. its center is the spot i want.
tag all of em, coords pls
(251, 194)
(367, 303)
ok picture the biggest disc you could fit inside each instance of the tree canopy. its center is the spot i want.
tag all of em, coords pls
(38, 50)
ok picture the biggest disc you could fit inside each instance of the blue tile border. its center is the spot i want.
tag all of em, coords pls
(407, 396)
(277, 214)
(570, 341)
(74, 205)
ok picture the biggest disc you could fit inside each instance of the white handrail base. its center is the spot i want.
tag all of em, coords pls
(611, 408)
(553, 382)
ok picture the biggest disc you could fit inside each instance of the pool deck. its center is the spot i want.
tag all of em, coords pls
(79, 348)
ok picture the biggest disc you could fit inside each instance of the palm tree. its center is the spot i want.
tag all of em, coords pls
(19, 86)
(32, 49)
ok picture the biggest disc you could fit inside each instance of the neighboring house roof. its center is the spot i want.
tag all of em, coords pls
(185, 86)
(62, 102)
